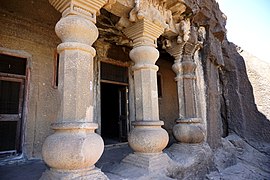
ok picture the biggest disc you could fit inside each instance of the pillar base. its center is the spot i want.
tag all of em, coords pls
(189, 130)
(148, 166)
(150, 162)
(89, 173)
(148, 137)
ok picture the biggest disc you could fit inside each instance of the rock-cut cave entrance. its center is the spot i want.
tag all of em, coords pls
(12, 91)
(114, 103)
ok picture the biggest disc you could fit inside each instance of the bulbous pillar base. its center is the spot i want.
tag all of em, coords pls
(71, 150)
(189, 131)
(148, 137)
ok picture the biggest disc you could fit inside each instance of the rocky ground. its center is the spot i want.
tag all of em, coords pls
(237, 160)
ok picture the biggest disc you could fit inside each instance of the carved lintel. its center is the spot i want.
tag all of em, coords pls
(155, 11)
(86, 8)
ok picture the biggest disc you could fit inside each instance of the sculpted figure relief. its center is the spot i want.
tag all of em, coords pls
(184, 30)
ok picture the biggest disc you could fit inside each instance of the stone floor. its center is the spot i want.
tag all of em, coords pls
(33, 169)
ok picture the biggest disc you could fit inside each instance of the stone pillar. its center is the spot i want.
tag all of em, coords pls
(188, 128)
(74, 148)
(147, 138)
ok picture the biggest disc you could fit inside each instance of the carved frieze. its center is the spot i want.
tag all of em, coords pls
(157, 12)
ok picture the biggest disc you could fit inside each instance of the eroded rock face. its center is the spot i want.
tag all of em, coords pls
(258, 73)
(208, 15)
(241, 111)
(229, 94)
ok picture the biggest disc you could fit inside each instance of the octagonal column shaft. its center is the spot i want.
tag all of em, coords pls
(74, 148)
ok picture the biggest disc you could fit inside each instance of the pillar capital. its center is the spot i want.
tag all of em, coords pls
(175, 49)
(144, 33)
(86, 8)
(190, 48)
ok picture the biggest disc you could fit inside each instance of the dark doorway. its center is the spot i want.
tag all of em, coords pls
(12, 80)
(114, 113)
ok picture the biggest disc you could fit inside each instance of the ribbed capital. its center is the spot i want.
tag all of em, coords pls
(175, 49)
(143, 33)
(86, 8)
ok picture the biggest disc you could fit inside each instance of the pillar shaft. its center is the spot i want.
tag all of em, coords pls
(145, 81)
(74, 148)
(147, 137)
(188, 128)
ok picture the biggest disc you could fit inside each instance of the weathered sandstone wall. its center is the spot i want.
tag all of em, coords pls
(168, 105)
(18, 36)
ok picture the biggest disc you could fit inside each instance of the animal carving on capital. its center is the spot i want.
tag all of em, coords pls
(152, 10)
(182, 32)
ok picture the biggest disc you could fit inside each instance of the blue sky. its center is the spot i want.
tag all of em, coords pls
(248, 25)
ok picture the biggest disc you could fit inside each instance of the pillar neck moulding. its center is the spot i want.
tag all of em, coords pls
(74, 148)
(188, 128)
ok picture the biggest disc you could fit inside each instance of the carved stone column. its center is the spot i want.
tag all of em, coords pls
(147, 138)
(74, 148)
(188, 128)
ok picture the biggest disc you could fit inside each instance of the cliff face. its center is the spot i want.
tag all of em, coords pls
(242, 113)
(230, 98)
(259, 77)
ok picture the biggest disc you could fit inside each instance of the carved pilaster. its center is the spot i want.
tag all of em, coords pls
(188, 128)
(74, 148)
(176, 50)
